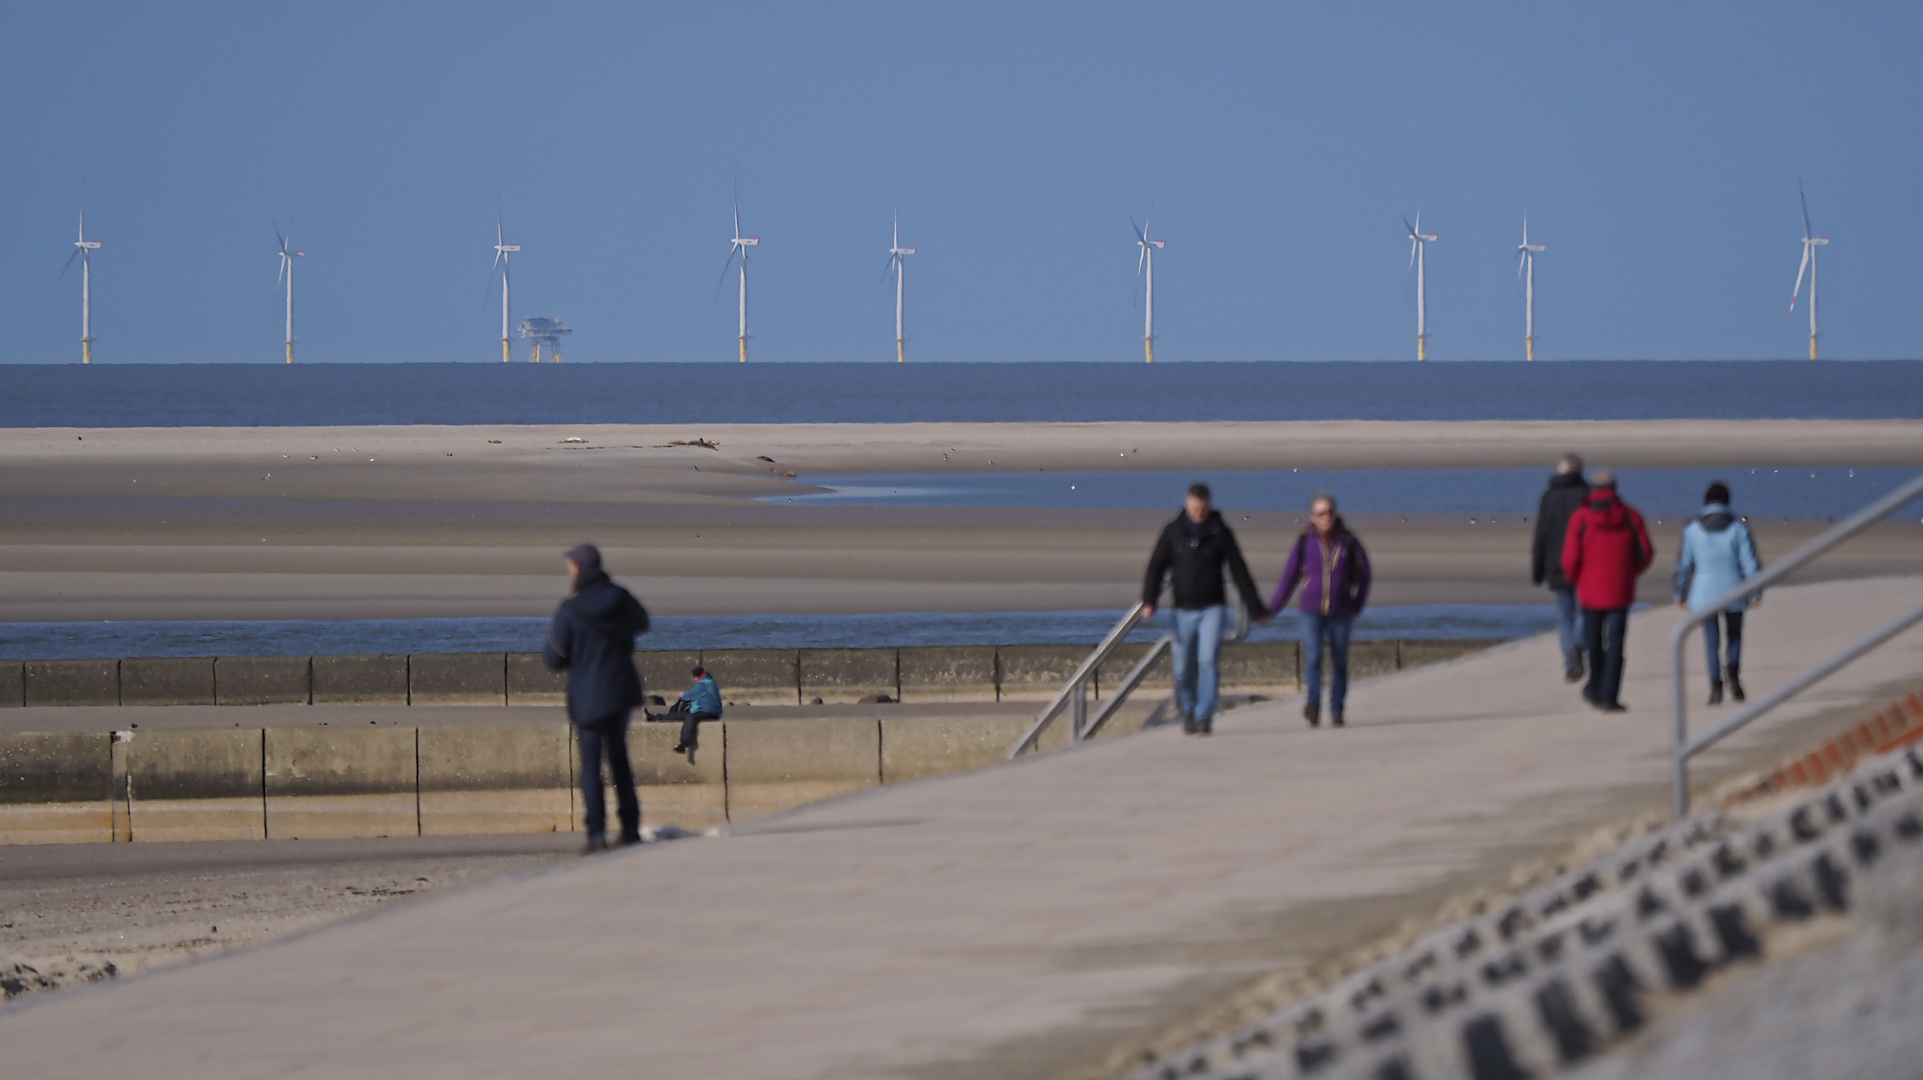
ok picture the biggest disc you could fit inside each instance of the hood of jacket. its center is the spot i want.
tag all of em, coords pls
(1568, 480)
(1715, 517)
(1607, 508)
(598, 599)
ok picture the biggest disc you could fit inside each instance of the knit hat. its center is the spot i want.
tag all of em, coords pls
(585, 556)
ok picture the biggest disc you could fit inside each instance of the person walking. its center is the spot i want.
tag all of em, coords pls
(1191, 554)
(592, 639)
(1718, 554)
(1567, 490)
(699, 702)
(1606, 549)
(1332, 568)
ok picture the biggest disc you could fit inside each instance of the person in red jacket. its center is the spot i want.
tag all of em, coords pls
(1605, 550)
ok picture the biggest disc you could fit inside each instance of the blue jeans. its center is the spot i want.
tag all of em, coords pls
(608, 738)
(1336, 629)
(1712, 640)
(1568, 620)
(1198, 641)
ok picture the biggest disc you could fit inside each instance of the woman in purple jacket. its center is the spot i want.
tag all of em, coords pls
(1329, 564)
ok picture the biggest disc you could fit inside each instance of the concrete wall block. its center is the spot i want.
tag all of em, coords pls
(72, 682)
(263, 680)
(56, 789)
(664, 673)
(775, 765)
(529, 682)
(1367, 659)
(675, 791)
(845, 676)
(753, 676)
(167, 681)
(13, 684)
(196, 785)
(457, 679)
(1109, 676)
(1435, 651)
(946, 673)
(1267, 667)
(494, 779)
(360, 680)
(341, 782)
(916, 747)
(1037, 672)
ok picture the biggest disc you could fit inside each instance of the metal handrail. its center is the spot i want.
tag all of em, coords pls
(1682, 747)
(1074, 695)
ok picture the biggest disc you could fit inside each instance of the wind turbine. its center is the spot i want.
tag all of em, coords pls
(287, 257)
(1810, 244)
(896, 255)
(1145, 268)
(83, 249)
(741, 244)
(1418, 242)
(502, 249)
(1526, 269)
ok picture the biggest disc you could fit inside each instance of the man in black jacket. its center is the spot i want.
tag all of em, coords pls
(1191, 554)
(592, 639)
(1567, 490)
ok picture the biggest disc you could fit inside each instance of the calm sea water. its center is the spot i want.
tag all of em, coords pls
(137, 395)
(85, 640)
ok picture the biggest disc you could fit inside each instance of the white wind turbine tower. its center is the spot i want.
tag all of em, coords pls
(1418, 242)
(896, 255)
(1810, 244)
(287, 257)
(740, 245)
(502, 249)
(83, 249)
(1526, 269)
(1145, 268)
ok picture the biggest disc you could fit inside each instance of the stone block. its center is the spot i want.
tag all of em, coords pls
(360, 680)
(72, 682)
(1367, 659)
(845, 676)
(675, 790)
(1109, 676)
(529, 682)
(1435, 650)
(947, 673)
(457, 679)
(167, 681)
(776, 765)
(1269, 668)
(666, 672)
(13, 684)
(494, 779)
(56, 789)
(921, 746)
(340, 782)
(196, 785)
(263, 680)
(1036, 672)
(753, 676)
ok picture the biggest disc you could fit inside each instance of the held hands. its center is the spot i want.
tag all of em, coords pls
(1148, 612)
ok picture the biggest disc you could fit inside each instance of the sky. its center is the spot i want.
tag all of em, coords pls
(1657, 148)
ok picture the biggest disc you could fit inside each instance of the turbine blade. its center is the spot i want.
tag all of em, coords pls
(278, 235)
(1522, 258)
(1804, 199)
(1797, 290)
(68, 265)
(1410, 229)
(1140, 260)
(1413, 244)
(1139, 235)
(729, 265)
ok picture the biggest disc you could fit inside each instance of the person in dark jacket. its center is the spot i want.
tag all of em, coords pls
(1331, 566)
(699, 702)
(1567, 490)
(592, 639)
(1191, 554)
(1606, 549)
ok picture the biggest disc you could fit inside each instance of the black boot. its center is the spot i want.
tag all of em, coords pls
(1715, 691)
(1312, 712)
(1572, 668)
(1735, 684)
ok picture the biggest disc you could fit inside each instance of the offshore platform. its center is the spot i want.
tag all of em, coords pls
(545, 331)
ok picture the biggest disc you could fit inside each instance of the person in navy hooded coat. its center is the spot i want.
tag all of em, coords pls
(592, 639)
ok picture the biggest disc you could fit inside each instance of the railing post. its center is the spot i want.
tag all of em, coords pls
(1679, 721)
(1078, 710)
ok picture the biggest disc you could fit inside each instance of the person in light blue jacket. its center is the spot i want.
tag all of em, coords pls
(1718, 554)
(699, 702)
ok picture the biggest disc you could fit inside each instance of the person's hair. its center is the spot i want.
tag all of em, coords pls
(1569, 463)
(1718, 493)
(1199, 491)
(1603, 478)
(699, 672)
(1322, 497)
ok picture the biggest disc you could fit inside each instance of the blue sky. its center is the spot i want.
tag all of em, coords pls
(1658, 147)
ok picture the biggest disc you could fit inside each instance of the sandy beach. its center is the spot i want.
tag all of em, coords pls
(397, 522)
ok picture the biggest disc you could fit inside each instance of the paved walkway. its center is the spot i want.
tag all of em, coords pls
(1005, 923)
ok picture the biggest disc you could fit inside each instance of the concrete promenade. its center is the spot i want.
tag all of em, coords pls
(1010, 922)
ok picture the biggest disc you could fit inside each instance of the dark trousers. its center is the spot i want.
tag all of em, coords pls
(690, 731)
(608, 738)
(1711, 642)
(1602, 633)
